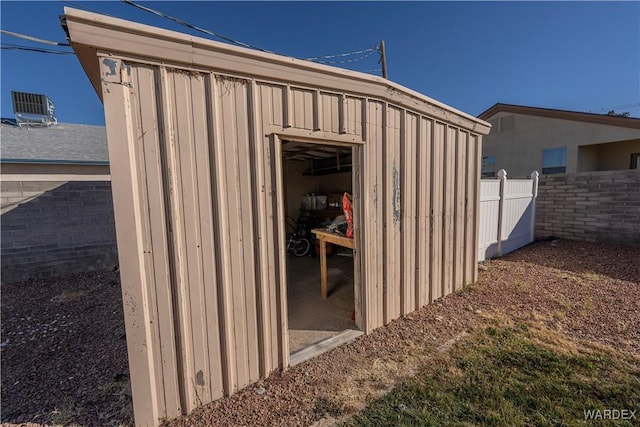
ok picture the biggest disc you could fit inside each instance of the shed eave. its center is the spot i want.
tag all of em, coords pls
(91, 33)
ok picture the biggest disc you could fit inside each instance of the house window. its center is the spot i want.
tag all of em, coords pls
(488, 166)
(635, 161)
(554, 160)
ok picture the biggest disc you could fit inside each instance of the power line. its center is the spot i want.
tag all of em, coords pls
(347, 61)
(8, 46)
(186, 24)
(616, 107)
(319, 59)
(338, 55)
(88, 9)
(33, 39)
(368, 52)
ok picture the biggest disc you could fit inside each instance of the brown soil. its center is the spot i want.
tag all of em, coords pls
(587, 291)
(64, 355)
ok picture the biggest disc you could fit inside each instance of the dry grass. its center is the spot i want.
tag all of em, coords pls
(70, 296)
(511, 373)
(365, 383)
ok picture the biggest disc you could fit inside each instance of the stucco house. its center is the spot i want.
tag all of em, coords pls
(56, 206)
(524, 139)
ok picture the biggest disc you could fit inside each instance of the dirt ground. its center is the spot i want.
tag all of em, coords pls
(64, 355)
(588, 292)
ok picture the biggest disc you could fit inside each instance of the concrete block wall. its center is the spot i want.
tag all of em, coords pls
(590, 206)
(49, 228)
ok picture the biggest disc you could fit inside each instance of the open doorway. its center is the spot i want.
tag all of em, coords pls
(315, 180)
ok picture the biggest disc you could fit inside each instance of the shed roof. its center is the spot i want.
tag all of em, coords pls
(64, 143)
(628, 122)
(95, 33)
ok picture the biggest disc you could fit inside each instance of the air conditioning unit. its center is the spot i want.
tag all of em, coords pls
(32, 109)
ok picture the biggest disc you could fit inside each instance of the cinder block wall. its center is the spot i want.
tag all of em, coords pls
(50, 228)
(590, 206)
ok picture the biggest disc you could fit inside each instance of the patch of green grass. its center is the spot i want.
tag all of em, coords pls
(115, 409)
(118, 411)
(66, 412)
(471, 287)
(70, 296)
(511, 375)
(325, 406)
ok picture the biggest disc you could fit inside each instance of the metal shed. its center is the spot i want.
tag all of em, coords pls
(195, 131)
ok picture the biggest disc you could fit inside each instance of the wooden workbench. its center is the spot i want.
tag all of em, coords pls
(325, 236)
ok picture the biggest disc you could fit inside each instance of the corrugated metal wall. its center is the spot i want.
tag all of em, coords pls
(197, 177)
(418, 233)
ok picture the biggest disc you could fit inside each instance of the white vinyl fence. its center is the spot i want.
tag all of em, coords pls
(507, 214)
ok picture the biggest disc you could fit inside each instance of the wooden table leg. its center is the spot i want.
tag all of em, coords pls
(323, 268)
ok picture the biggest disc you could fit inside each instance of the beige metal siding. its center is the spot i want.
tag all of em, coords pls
(303, 109)
(408, 225)
(329, 111)
(373, 225)
(424, 242)
(272, 103)
(198, 193)
(151, 363)
(436, 231)
(392, 213)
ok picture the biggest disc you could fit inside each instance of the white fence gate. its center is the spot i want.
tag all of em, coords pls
(507, 214)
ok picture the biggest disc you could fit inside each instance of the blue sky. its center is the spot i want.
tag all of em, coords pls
(582, 56)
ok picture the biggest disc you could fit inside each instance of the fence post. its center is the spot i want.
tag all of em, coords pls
(534, 199)
(502, 176)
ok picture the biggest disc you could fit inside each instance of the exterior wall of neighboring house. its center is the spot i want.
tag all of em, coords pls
(55, 227)
(590, 206)
(196, 131)
(517, 141)
(55, 201)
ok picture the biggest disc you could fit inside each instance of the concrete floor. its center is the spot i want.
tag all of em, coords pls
(312, 319)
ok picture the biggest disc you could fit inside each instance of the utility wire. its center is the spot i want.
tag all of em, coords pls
(616, 107)
(635, 104)
(88, 9)
(8, 46)
(186, 24)
(368, 52)
(343, 54)
(33, 39)
(347, 61)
